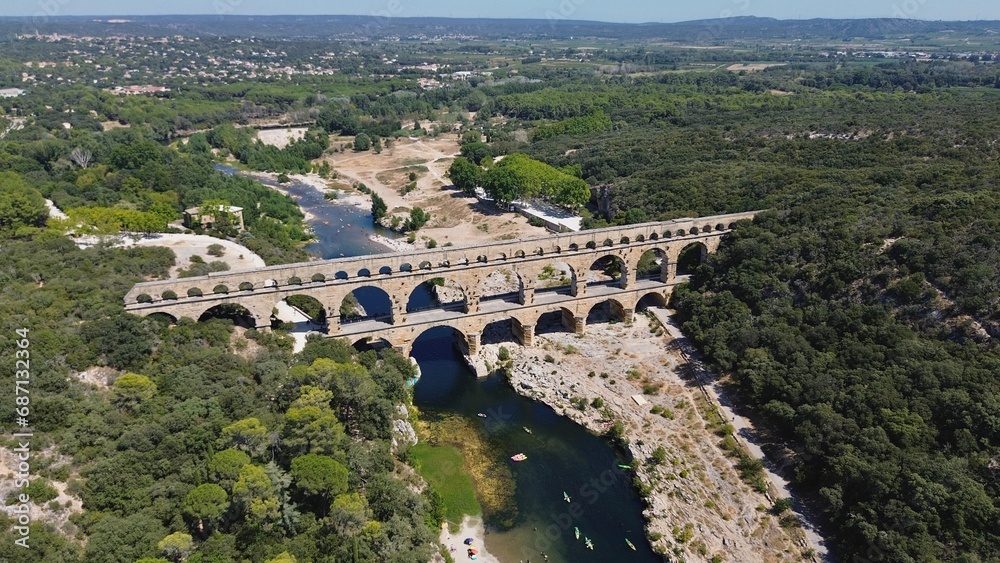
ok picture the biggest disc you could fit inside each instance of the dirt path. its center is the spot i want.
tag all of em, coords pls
(746, 431)
(454, 217)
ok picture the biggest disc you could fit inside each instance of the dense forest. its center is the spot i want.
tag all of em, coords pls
(213, 446)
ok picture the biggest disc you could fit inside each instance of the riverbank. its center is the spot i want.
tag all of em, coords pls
(471, 527)
(698, 506)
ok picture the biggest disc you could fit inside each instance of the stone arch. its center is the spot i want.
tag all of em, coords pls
(405, 267)
(639, 238)
(558, 319)
(385, 271)
(681, 232)
(246, 286)
(294, 280)
(654, 236)
(235, 312)
(690, 257)
(502, 256)
(555, 276)
(309, 306)
(341, 275)
(626, 240)
(606, 311)
(501, 284)
(270, 283)
(519, 254)
(144, 298)
(539, 251)
(364, 273)
(169, 295)
(481, 259)
(500, 331)
(318, 277)
(720, 227)
(425, 265)
(651, 299)
(435, 335)
(195, 292)
(693, 230)
(653, 264)
(608, 242)
(163, 316)
(220, 289)
(608, 270)
(592, 245)
(367, 302)
(438, 293)
(573, 247)
(371, 343)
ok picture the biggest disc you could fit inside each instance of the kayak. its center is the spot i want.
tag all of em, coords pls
(577, 532)
(526, 429)
(518, 457)
(630, 544)
(481, 415)
(625, 466)
(590, 544)
(565, 496)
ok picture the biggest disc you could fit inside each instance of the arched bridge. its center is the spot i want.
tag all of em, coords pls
(520, 280)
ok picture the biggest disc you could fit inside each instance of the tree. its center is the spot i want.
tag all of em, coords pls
(81, 157)
(379, 208)
(247, 434)
(313, 427)
(131, 390)
(362, 142)
(20, 204)
(256, 495)
(283, 557)
(319, 475)
(348, 513)
(465, 175)
(206, 503)
(177, 546)
(225, 467)
(503, 185)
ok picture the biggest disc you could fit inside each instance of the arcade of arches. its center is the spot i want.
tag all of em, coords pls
(366, 297)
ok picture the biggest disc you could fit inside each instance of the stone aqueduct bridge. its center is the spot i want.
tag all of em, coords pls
(399, 274)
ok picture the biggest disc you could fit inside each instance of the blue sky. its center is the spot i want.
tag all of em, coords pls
(603, 10)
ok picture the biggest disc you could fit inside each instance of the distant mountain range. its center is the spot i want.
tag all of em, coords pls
(343, 27)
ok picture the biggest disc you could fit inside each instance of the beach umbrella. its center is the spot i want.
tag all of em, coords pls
(468, 541)
(473, 551)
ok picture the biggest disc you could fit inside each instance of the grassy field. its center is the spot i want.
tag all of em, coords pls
(441, 466)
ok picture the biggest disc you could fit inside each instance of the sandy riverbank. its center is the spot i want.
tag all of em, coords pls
(697, 503)
(471, 527)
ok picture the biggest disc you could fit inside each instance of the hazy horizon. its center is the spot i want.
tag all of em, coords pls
(640, 11)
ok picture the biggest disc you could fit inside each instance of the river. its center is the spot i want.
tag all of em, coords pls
(529, 515)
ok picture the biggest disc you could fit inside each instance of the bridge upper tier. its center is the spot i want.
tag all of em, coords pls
(375, 266)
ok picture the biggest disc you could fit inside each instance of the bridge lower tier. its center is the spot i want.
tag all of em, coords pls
(523, 317)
